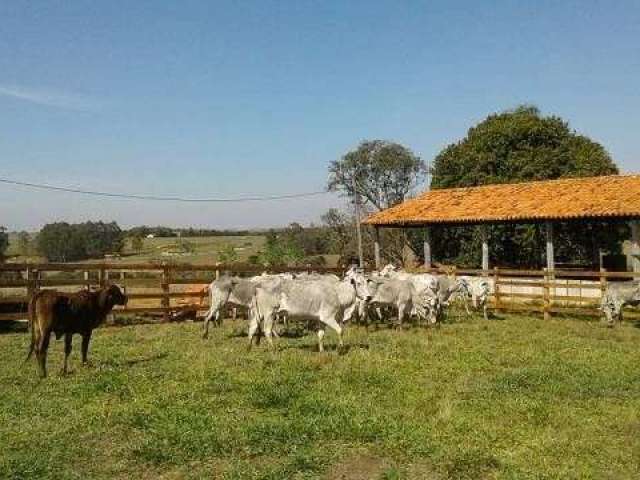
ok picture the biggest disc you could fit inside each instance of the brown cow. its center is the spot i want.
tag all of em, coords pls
(66, 314)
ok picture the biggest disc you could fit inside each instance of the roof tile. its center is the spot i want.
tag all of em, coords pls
(568, 198)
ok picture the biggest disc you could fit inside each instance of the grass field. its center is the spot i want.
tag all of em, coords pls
(205, 249)
(512, 398)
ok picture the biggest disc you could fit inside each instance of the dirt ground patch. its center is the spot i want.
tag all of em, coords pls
(359, 467)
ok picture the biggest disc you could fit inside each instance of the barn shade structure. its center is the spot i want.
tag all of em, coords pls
(615, 197)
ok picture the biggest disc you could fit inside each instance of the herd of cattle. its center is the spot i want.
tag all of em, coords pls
(332, 301)
(324, 299)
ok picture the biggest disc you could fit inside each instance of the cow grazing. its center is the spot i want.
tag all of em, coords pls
(65, 314)
(479, 290)
(616, 297)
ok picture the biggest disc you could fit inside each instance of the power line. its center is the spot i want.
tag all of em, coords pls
(131, 196)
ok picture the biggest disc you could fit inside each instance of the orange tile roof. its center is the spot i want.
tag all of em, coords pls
(568, 198)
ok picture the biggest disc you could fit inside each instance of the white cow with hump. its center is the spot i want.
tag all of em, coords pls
(325, 300)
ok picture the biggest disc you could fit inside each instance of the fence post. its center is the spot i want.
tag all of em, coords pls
(31, 277)
(496, 287)
(603, 282)
(87, 284)
(546, 300)
(102, 277)
(166, 301)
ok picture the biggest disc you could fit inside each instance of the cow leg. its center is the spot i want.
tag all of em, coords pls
(402, 311)
(485, 310)
(234, 313)
(331, 322)
(320, 337)
(41, 352)
(253, 328)
(213, 311)
(267, 328)
(86, 338)
(68, 338)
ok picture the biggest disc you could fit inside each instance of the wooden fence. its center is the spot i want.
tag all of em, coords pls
(160, 289)
(164, 289)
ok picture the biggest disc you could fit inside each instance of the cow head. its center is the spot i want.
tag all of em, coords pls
(361, 287)
(111, 296)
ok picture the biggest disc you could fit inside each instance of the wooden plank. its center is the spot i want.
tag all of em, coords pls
(13, 316)
(192, 281)
(161, 294)
(521, 283)
(13, 283)
(570, 298)
(533, 296)
(14, 299)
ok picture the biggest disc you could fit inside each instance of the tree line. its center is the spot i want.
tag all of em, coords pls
(511, 146)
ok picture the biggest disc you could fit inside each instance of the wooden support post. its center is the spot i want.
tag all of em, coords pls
(485, 250)
(376, 248)
(635, 247)
(166, 300)
(102, 277)
(87, 285)
(427, 248)
(551, 260)
(551, 263)
(496, 287)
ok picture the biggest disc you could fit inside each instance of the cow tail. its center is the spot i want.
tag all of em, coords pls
(32, 325)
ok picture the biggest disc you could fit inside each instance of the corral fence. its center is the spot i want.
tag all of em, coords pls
(165, 290)
(169, 290)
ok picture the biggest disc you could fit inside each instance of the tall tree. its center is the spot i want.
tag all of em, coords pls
(382, 172)
(514, 146)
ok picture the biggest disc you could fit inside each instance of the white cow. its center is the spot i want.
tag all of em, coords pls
(427, 296)
(227, 290)
(616, 297)
(478, 289)
(325, 300)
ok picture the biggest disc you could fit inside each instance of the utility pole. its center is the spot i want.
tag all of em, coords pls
(356, 197)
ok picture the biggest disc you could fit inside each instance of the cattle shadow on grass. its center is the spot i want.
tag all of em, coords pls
(328, 347)
(135, 361)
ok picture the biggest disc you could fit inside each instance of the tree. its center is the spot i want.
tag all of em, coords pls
(64, 242)
(137, 243)
(514, 146)
(280, 251)
(24, 243)
(227, 254)
(384, 173)
(4, 242)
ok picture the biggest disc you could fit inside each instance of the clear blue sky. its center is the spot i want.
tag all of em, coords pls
(218, 98)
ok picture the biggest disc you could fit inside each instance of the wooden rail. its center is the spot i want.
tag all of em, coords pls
(559, 291)
(162, 283)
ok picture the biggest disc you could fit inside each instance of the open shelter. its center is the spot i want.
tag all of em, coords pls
(605, 198)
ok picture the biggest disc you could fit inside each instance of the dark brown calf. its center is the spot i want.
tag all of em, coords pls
(65, 314)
